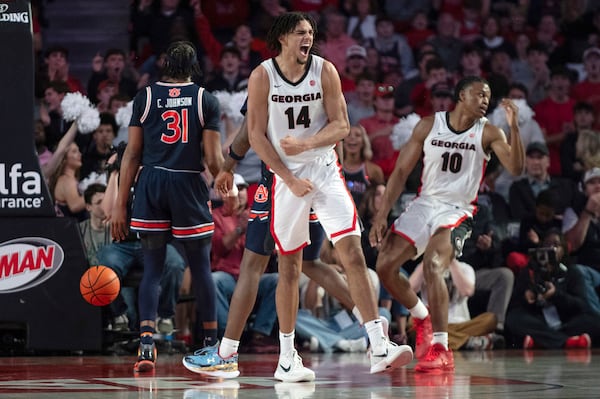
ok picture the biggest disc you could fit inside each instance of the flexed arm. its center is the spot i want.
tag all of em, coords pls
(338, 126)
(258, 92)
(511, 156)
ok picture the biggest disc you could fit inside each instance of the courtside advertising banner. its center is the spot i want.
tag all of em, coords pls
(23, 191)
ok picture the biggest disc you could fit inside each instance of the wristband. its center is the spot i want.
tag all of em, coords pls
(233, 155)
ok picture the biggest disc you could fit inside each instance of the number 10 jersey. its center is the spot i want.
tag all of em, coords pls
(453, 162)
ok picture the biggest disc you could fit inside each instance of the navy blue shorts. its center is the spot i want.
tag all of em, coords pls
(172, 201)
(258, 232)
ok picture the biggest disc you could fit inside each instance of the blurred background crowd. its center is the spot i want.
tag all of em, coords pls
(398, 61)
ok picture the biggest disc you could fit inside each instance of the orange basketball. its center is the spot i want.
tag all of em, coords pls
(99, 285)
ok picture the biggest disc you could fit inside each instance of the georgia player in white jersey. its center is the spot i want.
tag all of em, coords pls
(296, 114)
(455, 146)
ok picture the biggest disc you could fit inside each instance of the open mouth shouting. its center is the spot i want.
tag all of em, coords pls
(305, 49)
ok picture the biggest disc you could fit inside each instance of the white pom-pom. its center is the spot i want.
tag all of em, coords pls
(224, 98)
(231, 103)
(92, 178)
(498, 117)
(123, 115)
(88, 121)
(402, 130)
(236, 103)
(73, 104)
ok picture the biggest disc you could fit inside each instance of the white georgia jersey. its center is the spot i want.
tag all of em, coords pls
(296, 109)
(453, 162)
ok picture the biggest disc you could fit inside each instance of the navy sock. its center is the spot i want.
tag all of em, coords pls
(146, 333)
(198, 254)
(210, 336)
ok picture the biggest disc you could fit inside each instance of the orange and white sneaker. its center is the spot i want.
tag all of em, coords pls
(437, 359)
(146, 358)
(424, 335)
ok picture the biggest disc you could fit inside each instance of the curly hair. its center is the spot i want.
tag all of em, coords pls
(181, 61)
(284, 24)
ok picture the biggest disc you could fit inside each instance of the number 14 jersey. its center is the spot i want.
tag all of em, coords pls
(453, 162)
(296, 109)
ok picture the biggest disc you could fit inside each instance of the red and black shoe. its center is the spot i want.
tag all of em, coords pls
(438, 359)
(424, 335)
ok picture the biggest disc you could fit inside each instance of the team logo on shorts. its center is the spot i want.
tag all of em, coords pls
(174, 92)
(262, 194)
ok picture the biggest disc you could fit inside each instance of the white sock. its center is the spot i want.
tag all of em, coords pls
(286, 342)
(419, 311)
(440, 338)
(357, 314)
(375, 331)
(228, 347)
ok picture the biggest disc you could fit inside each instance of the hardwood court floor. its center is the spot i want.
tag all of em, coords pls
(513, 374)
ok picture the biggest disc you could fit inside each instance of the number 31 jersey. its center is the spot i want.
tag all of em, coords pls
(453, 162)
(173, 116)
(296, 109)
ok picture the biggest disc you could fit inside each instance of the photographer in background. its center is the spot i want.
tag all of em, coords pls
(548, 309)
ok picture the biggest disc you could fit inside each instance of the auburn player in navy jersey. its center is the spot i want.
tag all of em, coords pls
(173, 133)
(296, 114)
(455, 147)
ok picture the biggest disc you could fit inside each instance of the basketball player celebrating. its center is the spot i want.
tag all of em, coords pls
(456, 146)
(173, 132)
(222, 361)
(296, 114)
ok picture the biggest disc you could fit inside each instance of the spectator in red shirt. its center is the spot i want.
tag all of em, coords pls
(555, 115)
(420, 95)
(419, 30)
(588, 90)
(56, 67)
(225, 16)
(242, 39)
(379, 128)
(337, 41)
(356, 63)
(313, 5)
(470, 23)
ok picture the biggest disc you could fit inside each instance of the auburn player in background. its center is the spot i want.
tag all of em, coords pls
(173, 133)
